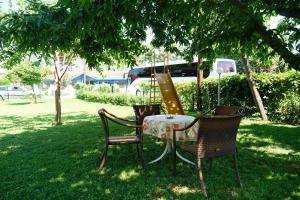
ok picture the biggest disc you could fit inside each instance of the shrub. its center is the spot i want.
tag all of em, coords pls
(4, 82)
(79, 86)
(110, 98)
(103, 88)
(187, 93)
(276, 90)
(289, 108)
(279, 92)
(234, 91)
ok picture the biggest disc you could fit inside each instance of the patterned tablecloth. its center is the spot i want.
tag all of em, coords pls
(162, 127)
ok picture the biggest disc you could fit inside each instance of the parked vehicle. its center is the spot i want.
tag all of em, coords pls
(8, 92)
(135, 88)
(223, 66)
(180, 70)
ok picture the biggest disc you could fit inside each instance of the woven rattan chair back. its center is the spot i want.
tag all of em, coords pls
(217, 135)
(141, 111)
(227, 110)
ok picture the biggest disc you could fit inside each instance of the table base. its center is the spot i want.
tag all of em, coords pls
(168, 149)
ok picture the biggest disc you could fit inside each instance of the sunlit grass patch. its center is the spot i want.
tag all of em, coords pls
(179, 189)
(126, 175)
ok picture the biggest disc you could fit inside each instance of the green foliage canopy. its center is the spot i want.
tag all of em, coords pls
(205, 28)
(39, 31)
(43, 29)
(214, 28)
(104, 31)
(28, 73)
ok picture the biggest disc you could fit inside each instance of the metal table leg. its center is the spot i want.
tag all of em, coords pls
(167, 150)
(184, 159)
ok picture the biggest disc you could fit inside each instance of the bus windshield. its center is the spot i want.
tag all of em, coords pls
(225, 66)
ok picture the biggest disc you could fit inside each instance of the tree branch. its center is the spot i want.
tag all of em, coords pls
(55, 65)
(286, 12)
(269, 37)
(64, 71)
(291, 13)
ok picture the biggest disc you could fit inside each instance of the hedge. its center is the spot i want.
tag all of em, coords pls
(110, 98)
(4, 82)
(280, 93)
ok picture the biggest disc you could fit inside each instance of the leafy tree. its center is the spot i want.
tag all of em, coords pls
(39, 30)
(105, 31)
(10, 5)
(12, 77)
(52, 32)
(28, 74)
(4, 81)
(206, 28)
(214, 28)
(21, 4)
(157, 54)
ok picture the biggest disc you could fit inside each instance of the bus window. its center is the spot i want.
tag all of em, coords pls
(183, 70)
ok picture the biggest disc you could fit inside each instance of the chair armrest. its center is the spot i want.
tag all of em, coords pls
(207, 112)
(119, 118)
(189, 126)
(123, 124)
(182, 129)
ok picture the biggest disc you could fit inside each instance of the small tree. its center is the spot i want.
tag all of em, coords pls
(39, 30)
(61, 64)
(52, 30)
(29, 74)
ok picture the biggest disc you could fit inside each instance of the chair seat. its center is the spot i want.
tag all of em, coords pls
(208, 150)
(129, 139)
(192, 148)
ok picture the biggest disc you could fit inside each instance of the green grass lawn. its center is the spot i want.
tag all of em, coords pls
(41, 161)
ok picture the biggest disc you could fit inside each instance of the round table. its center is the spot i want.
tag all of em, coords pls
(162, 126)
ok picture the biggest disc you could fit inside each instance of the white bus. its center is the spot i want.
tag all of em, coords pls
(180, 70)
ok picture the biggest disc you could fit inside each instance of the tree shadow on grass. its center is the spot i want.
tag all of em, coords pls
(265, 134)
(19, 103)
(50, 162)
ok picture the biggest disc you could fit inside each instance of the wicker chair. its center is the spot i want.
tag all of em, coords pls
(226, 110)
(116, 140)
(216, 137)
(141, 111)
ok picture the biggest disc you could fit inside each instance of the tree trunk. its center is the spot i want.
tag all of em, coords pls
(57, 104)
(255, 94)
(33, 94)
(199, 81)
